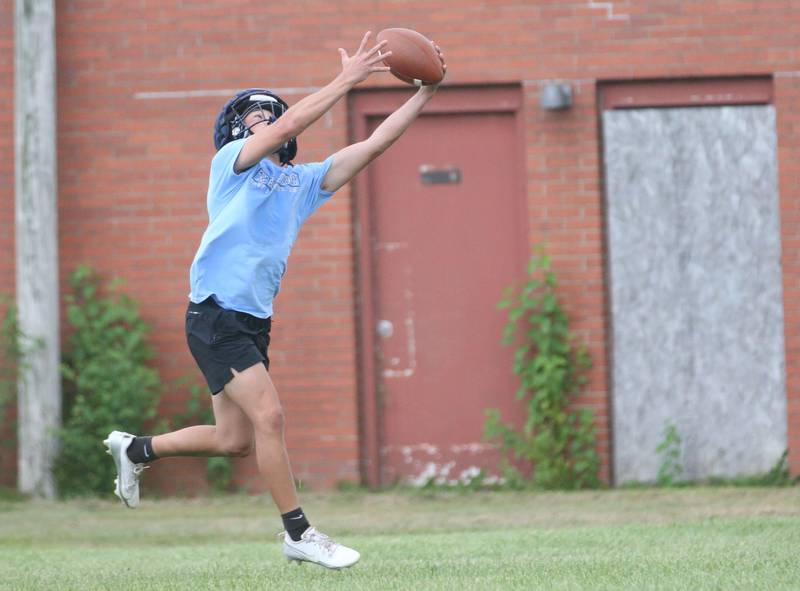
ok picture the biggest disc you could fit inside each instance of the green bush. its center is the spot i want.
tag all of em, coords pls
(15, 347)
(10, 353)
(107, 385)
(557, 442)
(11, 345)
(670, 470)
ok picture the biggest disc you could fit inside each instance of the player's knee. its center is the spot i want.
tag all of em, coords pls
(238, 449)
(270, 420)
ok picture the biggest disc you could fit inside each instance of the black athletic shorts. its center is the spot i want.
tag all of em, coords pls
(222, 339)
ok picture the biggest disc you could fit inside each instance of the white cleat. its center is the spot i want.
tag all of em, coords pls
(318, 548)
(126, 484)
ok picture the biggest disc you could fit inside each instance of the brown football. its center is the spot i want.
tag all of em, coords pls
(414, 58)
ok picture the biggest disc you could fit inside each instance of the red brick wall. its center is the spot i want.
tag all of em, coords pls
(787, 101)
(566, 214)
(133, 170)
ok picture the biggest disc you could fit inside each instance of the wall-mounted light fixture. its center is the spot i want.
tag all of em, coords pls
(555, 96)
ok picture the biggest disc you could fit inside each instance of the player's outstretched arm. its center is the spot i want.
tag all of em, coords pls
(348, 161)
(355, 69)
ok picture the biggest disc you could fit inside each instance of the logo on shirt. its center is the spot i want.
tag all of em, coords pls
(264, 180)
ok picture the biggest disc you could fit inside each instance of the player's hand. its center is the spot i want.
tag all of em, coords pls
(431, 89)
(364, 62)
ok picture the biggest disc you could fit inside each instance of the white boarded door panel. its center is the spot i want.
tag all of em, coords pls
(695, 278)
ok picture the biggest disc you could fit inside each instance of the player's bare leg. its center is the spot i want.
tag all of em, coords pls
(231, 436)
(253, 391)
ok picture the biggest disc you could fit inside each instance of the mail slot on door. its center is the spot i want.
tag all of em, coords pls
(439, 176)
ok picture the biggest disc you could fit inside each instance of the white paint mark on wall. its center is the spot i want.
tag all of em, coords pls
(407, 450)
(469, 474)
(227, 92)
(430, 449)
(493, 479)
(440, 474)
(609, 8)
(391, 246)
(473, 448)
(428, 473)
(411, 342)
(432, 464)
(411, 347)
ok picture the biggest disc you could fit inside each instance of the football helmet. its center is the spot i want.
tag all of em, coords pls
(230, 125)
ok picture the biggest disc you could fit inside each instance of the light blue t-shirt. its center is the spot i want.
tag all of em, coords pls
(254, 218)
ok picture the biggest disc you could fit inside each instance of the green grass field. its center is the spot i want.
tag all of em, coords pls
(690, 538)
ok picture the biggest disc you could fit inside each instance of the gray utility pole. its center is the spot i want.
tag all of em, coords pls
(39, 386)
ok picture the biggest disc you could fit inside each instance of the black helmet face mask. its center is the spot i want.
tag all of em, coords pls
(230, 124)
(269, 107)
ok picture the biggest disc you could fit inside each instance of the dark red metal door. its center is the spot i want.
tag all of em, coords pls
(447, 236)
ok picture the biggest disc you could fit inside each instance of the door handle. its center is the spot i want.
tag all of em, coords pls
(385, 328)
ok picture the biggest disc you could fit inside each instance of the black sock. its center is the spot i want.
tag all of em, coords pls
(295, 523)
(140, 451)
